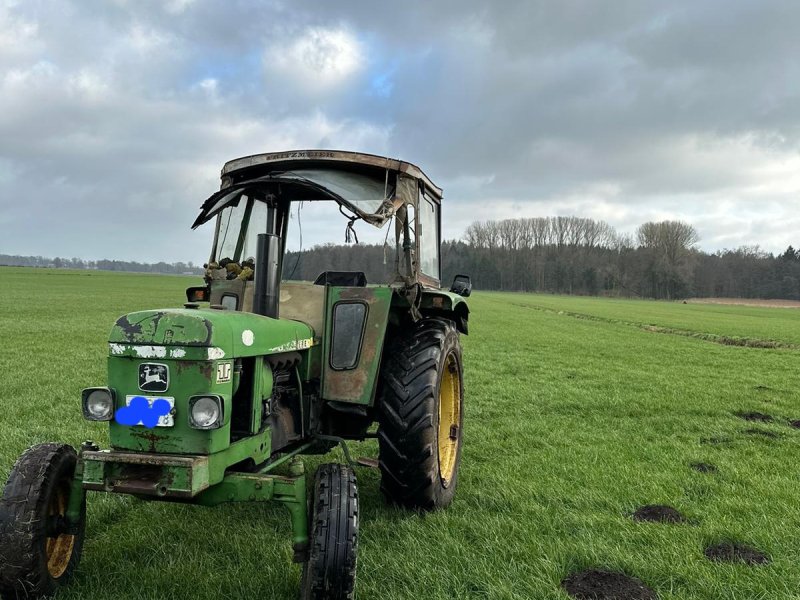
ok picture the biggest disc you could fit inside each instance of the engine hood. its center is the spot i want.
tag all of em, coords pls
(204, 334)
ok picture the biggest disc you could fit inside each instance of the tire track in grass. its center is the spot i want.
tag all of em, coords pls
(723, 340)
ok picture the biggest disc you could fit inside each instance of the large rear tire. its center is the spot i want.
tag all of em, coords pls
(330, 572)
(420, 416)
(37, 556)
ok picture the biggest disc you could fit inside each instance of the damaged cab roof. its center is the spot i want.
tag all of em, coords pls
(371, 186)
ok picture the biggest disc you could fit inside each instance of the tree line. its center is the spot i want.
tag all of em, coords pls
(566, 255)
(573, 255)
(180, 268)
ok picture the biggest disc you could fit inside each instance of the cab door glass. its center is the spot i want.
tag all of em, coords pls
(429, 240)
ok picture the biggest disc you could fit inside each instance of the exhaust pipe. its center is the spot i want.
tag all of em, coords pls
(268, 283)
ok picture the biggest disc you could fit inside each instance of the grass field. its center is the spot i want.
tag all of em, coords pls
(579, 411)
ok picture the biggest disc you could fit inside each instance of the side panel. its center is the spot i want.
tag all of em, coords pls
(356, 384)
(304, 302)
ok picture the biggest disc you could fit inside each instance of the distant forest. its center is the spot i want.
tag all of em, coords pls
(572, 255)
(565, 255)
(102, 265)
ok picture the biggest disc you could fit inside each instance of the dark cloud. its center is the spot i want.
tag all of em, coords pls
(115, 117)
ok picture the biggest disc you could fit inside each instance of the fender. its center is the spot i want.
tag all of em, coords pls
(447, 304)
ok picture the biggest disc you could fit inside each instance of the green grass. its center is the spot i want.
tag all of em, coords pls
(757, 323)
(571, 424)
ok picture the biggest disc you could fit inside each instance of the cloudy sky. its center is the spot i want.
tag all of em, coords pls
(116, 115)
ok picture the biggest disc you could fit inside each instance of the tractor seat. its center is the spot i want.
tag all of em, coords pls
(342, 278)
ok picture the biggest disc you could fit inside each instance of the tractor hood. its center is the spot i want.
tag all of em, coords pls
(197, 334)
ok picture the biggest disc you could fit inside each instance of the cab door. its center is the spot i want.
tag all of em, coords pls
(355, 329)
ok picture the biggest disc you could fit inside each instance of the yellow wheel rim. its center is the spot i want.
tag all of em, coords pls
(59, 549)
(449, 419)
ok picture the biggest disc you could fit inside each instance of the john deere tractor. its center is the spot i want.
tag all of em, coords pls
(216, 402)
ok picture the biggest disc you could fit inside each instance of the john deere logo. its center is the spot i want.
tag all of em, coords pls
(153, 377)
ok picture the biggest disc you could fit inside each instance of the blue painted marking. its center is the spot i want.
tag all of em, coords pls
(139, 412)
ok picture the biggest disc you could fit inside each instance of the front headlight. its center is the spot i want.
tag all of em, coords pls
(205, 412)
(98, 404)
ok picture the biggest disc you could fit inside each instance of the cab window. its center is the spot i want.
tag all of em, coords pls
(429, 239)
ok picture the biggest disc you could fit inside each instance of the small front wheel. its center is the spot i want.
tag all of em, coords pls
(330, 572)
(37, 555)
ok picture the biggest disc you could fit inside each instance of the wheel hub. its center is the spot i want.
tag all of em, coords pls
(59, 546)
(449, 419)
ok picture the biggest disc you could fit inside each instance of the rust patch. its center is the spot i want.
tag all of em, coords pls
(206, 370)
(347, 384)
(354, 293)
(184, 365)
(149, 437)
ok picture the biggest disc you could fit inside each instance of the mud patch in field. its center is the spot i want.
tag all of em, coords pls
(795, 423)
(594, 584)
(762, 388)
(658, 513)
(735, 552)
(708, 337)
(702, 467)
(746, 302)
(754, 416)
(763, 433)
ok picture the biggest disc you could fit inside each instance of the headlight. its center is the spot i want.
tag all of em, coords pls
(98, 404)
(205, 412)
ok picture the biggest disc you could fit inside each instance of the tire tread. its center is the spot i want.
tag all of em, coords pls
(407, 414)
(330, 571)
(21, 524)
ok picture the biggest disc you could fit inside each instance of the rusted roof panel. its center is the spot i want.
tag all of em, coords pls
(293, 157)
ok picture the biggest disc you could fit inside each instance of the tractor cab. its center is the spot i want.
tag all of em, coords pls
(258, 194)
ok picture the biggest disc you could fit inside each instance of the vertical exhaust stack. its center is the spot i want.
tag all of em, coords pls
(268, 284)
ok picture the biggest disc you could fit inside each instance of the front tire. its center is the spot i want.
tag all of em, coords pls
(37, 556)
(330, 572)
(420, 416)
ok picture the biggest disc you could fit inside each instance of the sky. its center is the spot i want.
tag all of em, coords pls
(117, 115)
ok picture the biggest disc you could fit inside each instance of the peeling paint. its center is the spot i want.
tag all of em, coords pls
(215, 353)
(293, 345)
(131, 330)
(177, 353)
(116, 348)
(150, 351)
(163, 328)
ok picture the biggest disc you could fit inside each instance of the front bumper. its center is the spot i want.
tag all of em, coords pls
(157, 475)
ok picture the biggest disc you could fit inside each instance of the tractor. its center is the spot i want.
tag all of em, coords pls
(217, 401)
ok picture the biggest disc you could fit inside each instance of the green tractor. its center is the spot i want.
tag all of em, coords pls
(215, 404)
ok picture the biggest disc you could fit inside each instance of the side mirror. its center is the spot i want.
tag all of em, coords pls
(462, 285)
(198, 294)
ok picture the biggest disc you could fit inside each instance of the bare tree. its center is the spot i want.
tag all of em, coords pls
(669, 245)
